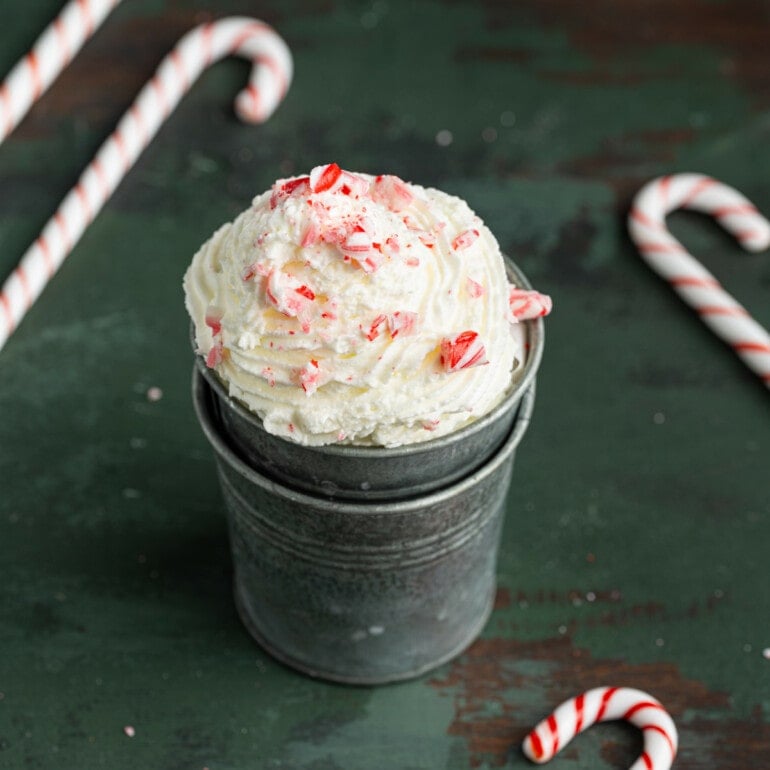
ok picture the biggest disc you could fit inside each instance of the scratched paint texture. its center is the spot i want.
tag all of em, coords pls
(636, 543)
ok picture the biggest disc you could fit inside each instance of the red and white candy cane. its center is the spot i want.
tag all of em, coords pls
(600, 705)
(269, 80)
(52, 52)
(726, 317)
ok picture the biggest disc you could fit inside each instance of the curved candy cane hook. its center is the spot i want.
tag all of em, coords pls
(697, 286)
(268, 82)
(604, 704)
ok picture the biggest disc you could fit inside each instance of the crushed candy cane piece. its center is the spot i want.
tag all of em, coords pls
(462, 351)
(392, 246)
(269, 375)
(216, 355)
(284, 188)
(374, 329)
(465, 239)
(308, 376)
(401, 322)
(288, 295)
(525, 305)
(391, 192)
(475, 289)
(214, 319)
(359, 248)
(353, 184)
(323, 178)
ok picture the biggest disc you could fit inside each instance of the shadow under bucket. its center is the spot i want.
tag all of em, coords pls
(363, 592)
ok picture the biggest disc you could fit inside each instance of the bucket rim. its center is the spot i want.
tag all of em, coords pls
(202, 402)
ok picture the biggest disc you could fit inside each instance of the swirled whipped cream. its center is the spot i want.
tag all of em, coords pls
(344, 307)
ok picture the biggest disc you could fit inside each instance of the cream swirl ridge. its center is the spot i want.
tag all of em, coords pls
(352, 308)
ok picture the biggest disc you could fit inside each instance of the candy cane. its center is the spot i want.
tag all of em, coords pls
(52, 52)
(268, 82)
(696, 285)
(600, 705)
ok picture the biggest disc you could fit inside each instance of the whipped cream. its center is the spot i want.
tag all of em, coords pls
(351, 308)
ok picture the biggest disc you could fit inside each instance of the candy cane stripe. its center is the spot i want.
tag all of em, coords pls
(662, 248)
(61, 223)
(608, 703)
(639, 706)
(7, 312)
(748, 209)
(604, 703)
(754, 347)
(720, 310)
(746, 236)
(269, 79)
(552, 726)
(34, 74)
(643, 219)
(42, 245)
(63, 42)
(579, 714)
(697, 189)
(85, 13)
(666, 737)
(537, 746)
(24, 283)
(726, 317)
(686, 280)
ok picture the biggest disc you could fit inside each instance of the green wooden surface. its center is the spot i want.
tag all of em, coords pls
(636, 544)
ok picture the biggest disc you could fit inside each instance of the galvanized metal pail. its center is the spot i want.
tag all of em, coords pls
(363, 591)
(347, 472)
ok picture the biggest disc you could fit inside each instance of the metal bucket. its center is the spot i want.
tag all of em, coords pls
(363, 591)
(347, 472)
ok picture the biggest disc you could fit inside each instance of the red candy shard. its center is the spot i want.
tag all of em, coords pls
(269, 375)
(465, 239)
(288, 295)
(308, 376)
(475, 289)
(352, 184)
(374, 329)
(391, 192)
(248, 272)
(401, 322)
(213, 319)
(216, 355)
(323, 178)
(359, 248)
(462, 351)
(428, 239)
(311, 235)
(284, 188)
(392, 246)
(525, 305)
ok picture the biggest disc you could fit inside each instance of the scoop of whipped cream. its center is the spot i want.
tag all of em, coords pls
(344, 307)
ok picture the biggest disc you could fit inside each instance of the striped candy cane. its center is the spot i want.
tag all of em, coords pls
(696, 285)
(52, 52)
(600, 705)
(268, 82)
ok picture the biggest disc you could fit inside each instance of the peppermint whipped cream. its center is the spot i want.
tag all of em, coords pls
(344, 307)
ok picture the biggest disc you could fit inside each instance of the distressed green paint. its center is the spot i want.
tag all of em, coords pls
(642, 481)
